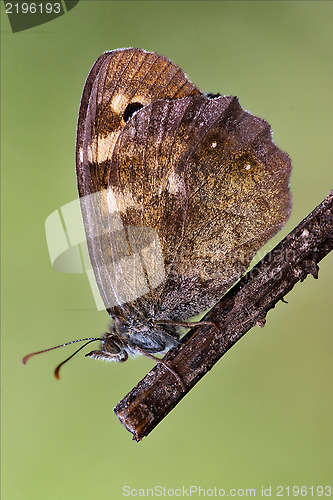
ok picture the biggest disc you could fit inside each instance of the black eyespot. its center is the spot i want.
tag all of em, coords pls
(212, 96)
(131, 108)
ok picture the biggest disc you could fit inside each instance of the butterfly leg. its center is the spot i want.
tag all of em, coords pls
(187, 324)
(158, 360)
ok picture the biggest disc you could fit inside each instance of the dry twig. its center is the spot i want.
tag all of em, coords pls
(244, 306)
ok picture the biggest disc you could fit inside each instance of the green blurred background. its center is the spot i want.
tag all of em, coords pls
(263, 415)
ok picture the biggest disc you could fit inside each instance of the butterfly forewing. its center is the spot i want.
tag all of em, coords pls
(118, 80)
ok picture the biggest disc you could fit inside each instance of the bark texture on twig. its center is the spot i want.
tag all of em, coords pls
(245, 305)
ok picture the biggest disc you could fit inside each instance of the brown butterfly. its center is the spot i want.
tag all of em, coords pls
(178, 191)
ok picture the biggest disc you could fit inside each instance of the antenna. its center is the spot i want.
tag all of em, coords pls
(56, 371)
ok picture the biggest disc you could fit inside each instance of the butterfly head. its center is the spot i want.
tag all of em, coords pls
(112, 348)
(132, 336)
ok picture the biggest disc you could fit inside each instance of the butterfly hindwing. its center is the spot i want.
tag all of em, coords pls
(207, 179)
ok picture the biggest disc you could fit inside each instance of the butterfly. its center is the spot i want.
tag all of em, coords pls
(178, 191)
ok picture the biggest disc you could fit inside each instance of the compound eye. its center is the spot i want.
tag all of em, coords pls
(113, 345)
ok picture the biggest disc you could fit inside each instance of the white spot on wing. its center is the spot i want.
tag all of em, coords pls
(214, 144)
(119, 201)
(118, 102)
(111, 201)
(175, 183)
(101, 147)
